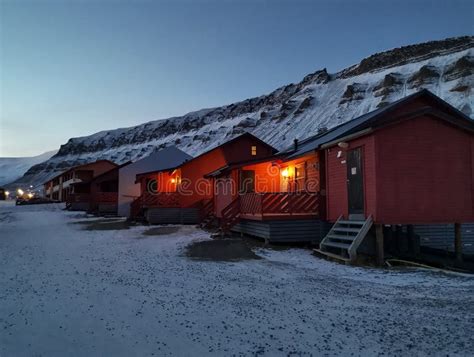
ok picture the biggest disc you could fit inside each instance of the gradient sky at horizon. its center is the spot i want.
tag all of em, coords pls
(72, 68)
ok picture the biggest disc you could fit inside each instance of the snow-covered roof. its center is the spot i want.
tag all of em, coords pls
(164, 159)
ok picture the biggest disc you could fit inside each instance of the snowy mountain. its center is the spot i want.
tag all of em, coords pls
(298, 110)
(13, 168)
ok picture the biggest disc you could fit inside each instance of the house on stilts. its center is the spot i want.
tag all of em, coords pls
(404, 169)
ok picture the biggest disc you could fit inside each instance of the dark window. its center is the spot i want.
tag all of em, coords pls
(247, 181)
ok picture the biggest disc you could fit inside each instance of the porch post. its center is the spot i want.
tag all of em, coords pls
(414, 244)
(458, 241)
(379, 244)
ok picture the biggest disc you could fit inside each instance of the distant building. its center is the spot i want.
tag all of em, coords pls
(66, 183)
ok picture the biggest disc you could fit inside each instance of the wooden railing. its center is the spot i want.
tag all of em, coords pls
(162, 199)
(280, 203)
(230, 215)
(136, 207)
(206, 207)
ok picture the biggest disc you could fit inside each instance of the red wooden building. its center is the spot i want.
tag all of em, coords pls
(411, 163)
(104, 191)
(66, 187)
(183, 194)
(408, 164)
(269, 194)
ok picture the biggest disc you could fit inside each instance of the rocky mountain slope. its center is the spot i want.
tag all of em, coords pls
(298, 110)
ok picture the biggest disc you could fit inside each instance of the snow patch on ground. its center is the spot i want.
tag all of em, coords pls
(69, 291)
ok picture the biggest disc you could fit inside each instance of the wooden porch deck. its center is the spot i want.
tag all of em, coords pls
(279, 205)
(278, 216)
(273, 206)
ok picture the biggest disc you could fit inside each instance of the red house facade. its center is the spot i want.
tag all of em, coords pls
(104, 191)
(268, 191)
(183, 194)
(413, 166)
(72, 185)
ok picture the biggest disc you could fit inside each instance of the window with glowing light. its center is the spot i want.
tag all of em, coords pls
(300, 177)
(254, 150)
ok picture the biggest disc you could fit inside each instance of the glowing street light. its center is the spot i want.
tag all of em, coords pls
(20, 192)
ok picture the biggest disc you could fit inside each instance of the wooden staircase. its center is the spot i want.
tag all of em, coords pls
(136, 209)
(230, 216)
(208, 218)
(344, 238)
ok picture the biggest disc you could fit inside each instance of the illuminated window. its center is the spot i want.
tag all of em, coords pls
(254, 150)
(300, 176)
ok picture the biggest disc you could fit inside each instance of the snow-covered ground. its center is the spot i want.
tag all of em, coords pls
(69, 291)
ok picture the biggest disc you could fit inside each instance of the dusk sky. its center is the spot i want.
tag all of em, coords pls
(72, 68)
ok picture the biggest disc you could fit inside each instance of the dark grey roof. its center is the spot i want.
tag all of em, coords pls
(164, 159)
(360, 123)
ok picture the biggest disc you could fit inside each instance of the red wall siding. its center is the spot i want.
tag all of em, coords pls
(336, 178)
(425, 173)
(100, 167)
(194, 187)
(267, 177)
(241, 149)
(232, 152)
(111, 175)
(310, 163)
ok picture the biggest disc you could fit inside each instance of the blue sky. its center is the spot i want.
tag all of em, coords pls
(71, 68)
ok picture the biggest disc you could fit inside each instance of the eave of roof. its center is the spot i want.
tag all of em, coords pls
(158, 171)
(240, 164)
(112, 169)
(78, 167)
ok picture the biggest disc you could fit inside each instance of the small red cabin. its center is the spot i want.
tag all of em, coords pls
(181, 194)
(270, 190)
(72, 185)
(412, 163)
(104, 191)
